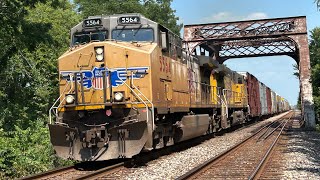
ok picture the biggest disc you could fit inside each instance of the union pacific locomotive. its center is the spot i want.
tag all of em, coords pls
(127, 85)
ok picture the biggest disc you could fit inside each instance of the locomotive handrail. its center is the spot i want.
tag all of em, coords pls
(227, 97)
(225, 102)
(152, 107)
(53, 106)
(207, 86)
(219, 94)
(137, 97)
(235, 95)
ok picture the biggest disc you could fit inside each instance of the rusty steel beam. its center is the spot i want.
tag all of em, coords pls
(255, 38)
(255, 48)
(245, 29)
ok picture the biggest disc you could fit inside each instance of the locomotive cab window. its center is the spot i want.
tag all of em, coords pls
(163, 39)
(86, 37)
(133, 34)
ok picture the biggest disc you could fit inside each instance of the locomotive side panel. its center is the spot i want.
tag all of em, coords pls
(180, 87)
(194, 83)
(239, 89)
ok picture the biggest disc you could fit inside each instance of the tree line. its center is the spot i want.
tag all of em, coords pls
(33, 34)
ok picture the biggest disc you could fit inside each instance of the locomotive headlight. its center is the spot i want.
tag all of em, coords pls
(118, 96)
(70, 99)
(99, 50)
(99, 57)
(99, 53)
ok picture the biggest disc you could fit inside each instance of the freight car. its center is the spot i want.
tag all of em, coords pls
(262, 101)
(127, 85)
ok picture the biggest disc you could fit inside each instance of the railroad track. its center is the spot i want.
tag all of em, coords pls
(247, 159)
(77, 172)
(59, 173)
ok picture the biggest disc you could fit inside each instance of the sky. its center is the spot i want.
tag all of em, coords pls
(276, 71)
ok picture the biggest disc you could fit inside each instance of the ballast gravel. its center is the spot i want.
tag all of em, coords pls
(303, 155)
(178, 163)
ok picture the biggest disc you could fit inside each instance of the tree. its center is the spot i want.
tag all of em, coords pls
(315, 67)
(29, 83)
(157, 10)
(29, 74)
(99, 7)
(160, 11)
(12, 13)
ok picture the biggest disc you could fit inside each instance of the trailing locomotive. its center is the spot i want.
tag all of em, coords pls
(127, 85)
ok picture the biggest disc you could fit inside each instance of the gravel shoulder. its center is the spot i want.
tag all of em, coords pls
(303, 155)
(178, 163)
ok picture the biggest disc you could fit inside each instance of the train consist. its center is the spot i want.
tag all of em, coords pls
(127, 85)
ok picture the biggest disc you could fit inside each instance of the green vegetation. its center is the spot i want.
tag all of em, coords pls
(33, 34)
(315, 68)
(156, 10)
(318, 127)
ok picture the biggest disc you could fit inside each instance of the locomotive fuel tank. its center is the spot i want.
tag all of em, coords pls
(192, 126)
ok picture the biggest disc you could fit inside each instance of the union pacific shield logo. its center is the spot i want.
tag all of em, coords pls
(94, 78)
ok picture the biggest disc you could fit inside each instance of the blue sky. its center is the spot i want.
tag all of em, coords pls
(276, 72)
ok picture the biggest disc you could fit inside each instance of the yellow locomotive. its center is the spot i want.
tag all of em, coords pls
(127, 85)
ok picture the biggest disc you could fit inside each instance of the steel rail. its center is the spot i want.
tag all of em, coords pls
(259, 168)
(102, 171)
(269, 134)
(48, 173)
(266, 130)
(221, 155)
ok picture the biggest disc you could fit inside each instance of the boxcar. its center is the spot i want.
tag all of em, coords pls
(253, 94)
(263, 99)
(269, 101)
(274, 102)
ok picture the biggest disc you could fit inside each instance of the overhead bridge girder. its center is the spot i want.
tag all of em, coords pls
(254, 48)
(265, 28)
(255, 38)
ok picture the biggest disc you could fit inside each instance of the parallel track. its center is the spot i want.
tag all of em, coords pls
(272, 163)
(244, 160)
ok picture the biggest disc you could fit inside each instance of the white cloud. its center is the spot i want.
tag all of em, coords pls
(228, 16)
(219, 17)
(257, 15)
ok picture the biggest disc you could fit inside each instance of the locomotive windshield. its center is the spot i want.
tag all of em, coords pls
(133, 34)
(86, 37)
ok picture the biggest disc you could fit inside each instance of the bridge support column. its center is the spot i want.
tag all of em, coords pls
(307, 105)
